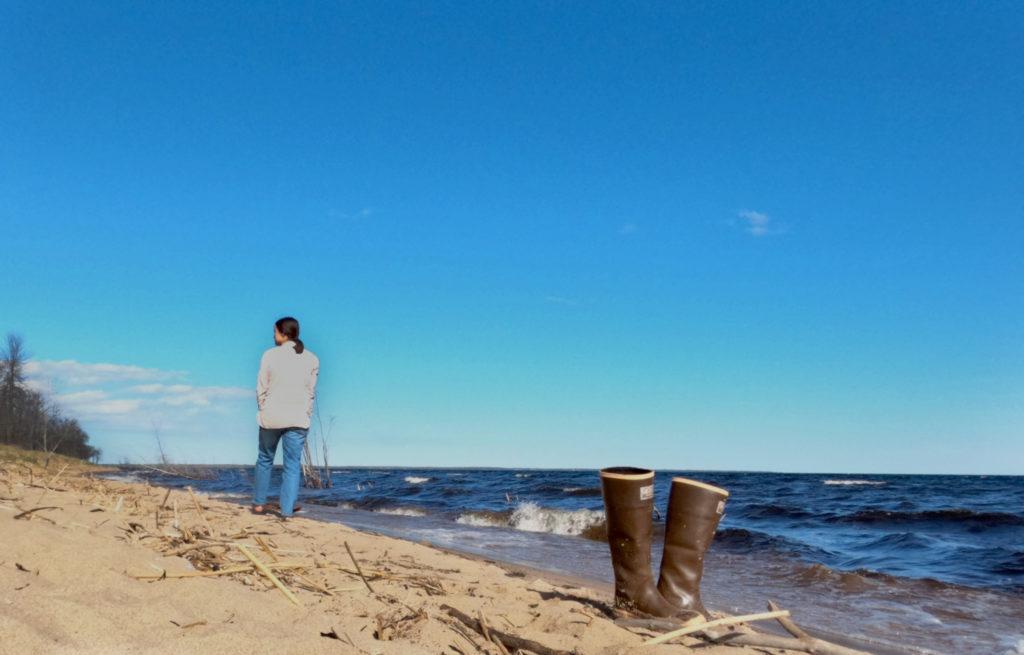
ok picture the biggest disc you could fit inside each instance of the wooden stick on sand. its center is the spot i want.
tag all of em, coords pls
(729, 620)
(228, 570)
(359, 570)
(270, 575)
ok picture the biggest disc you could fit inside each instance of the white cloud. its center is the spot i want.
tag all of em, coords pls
(101, 395)
(757, 223)
(79, 397)
(71, 372)
(162, 388)
(203, 396)
(120, 407)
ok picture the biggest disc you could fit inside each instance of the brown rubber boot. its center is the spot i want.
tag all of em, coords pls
(628, 503)
(694, 509)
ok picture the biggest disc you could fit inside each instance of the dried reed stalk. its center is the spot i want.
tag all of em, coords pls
(270, 575)
(199, 509)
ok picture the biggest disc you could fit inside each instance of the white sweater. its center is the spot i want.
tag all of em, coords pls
(286, 387)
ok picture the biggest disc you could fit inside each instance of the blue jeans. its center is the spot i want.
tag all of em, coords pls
(294, 440)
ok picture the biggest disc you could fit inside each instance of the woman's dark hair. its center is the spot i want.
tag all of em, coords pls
(289, 327)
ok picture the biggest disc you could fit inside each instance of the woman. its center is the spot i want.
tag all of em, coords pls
(285, 389)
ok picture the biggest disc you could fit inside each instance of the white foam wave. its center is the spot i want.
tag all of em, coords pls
(852, 483)
(132, 478)
(400, 511)
(230, 494)
(523, 475)
(1016, 650)
(481, 521)
(412, 479)
(533, 518)
(530, 517)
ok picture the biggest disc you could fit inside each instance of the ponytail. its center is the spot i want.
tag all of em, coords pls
(289, 327)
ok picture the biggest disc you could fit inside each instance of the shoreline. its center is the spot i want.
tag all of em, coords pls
(605, 589)
(95, 573)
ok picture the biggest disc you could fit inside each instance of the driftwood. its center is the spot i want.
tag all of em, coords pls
(511, 642)
(801, 641)
(487, 633)
(701, 626)
(28, 513)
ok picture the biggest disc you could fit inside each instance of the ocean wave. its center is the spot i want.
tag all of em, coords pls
(558, 490)
(533, 518)
(1009, 562)
(400, 511)
(131, 478)
(853, 483)
(524, 475)
(484, 519)
(530, 517)
(412, 479)
(765, 511)
(740, 540)
(964, 516)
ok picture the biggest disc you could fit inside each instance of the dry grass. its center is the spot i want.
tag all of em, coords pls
(45, 460)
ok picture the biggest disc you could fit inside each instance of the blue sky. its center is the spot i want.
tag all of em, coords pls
(780, 236)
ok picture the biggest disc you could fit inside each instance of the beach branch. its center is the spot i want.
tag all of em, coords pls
(703, 625)
(270, 575)
(358, 569)
(801, 641)
(486, 632)
(509, 641)
(28, 513)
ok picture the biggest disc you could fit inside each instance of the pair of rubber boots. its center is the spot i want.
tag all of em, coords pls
(694, 510)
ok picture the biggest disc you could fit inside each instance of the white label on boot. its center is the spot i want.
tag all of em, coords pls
(646, 493)
(721, 507)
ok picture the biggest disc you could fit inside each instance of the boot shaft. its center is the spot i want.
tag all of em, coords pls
(694, 510)
(629, 502)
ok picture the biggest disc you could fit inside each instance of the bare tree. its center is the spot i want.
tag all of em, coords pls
(12, 377)
(27, 418)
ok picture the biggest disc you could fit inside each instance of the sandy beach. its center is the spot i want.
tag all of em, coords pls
(104, 566)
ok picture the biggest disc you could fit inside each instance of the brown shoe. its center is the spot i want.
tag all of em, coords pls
(694, 510)
(629, 501)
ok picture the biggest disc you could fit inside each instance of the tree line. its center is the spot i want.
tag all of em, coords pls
(28, 419)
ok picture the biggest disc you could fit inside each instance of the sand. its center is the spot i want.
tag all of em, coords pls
(69, 582)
